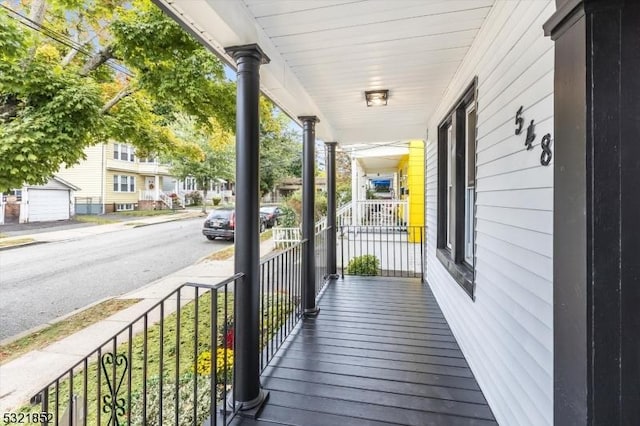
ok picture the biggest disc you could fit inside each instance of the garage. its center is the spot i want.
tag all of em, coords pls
(52, 201)
(48, 204)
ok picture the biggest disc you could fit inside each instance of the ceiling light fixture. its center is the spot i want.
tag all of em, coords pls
(376, 97)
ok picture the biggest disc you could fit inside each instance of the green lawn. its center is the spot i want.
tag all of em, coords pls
(62, 329)
(99, 220)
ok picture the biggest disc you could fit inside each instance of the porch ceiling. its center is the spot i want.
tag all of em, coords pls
(326, 53)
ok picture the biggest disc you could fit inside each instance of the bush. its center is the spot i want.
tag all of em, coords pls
(288, 218)
(367, 264)
(295, 203)
(194, 198)
(343, 193)
(186, 401)
(216, 200)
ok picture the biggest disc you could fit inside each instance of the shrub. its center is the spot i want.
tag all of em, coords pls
(186, 398)
(194, 198)
(216, 200)
(203, 367)
(343, 193)
(186, 401)
(294, 202)
(367, 264)
(288, 218)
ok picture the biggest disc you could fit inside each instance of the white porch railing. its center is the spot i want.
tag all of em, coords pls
(390, 213)
(382, 213)
(147, 195)
(166, 199)
(344, 214)
(152, 195)
(285, 237)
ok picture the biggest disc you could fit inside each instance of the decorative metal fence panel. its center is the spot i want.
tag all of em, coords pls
(173, 365)
(392, 251)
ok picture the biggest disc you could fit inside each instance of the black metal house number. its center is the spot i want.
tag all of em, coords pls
(545, 144)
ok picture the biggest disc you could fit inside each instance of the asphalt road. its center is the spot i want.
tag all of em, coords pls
(39, 283)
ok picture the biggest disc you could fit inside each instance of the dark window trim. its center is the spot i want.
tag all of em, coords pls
(453, 259)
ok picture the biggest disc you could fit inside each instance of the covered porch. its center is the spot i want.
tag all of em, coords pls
(529, 201)
(380, 352)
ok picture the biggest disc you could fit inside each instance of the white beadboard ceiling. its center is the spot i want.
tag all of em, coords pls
(326, 53)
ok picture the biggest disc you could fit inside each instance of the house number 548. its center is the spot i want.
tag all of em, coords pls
(547, 155)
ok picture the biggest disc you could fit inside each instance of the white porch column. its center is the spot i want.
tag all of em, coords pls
(354, 191)
(156, 186)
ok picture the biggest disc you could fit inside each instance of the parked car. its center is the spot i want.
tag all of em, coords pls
(221, 223)
(272, 213)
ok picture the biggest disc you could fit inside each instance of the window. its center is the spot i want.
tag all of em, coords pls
(125, 206)
(122, 183)
(123, 152)
(17, 193)
(456, 190)
(189, 184)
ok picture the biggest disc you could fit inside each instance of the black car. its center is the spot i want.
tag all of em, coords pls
(221, 223)
(272, 213)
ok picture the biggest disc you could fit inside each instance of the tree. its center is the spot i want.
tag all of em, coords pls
(280, 148)
(95, 70)
(343, 177)
(218, 154)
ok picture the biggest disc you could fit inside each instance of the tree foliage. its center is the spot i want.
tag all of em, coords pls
(217, 159)
(61, 92)
(280, 149)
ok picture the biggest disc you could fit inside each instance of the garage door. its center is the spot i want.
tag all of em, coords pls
(48, 204)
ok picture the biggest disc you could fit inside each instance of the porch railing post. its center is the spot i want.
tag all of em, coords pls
(248, 393)
(308, 216)
(331, 209)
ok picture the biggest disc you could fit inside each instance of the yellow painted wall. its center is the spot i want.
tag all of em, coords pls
(122, 197)
(413, 168)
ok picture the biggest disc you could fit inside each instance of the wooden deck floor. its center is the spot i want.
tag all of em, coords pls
(380, 352)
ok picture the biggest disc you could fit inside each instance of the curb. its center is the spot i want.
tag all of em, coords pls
(125, 226)
(54, 321)
(30, 243)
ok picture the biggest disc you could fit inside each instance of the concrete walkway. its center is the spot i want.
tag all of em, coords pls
(23, 377)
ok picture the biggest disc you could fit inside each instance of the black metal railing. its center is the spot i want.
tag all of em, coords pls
(391, 251)
(175, 363)
(172, 365)
(322, 270)
(280, 299)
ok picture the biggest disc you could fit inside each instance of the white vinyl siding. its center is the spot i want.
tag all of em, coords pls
(88, 175)
(507, 332)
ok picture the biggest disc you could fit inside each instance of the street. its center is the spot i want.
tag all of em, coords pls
(39, 283)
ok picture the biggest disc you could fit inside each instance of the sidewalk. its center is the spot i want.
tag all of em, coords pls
(23, 377)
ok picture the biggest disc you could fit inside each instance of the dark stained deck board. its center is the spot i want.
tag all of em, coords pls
(380, 352)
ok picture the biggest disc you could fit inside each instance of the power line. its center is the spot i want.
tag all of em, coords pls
(62, 39)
